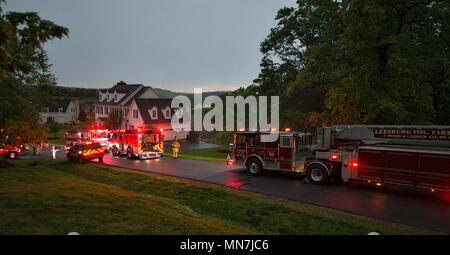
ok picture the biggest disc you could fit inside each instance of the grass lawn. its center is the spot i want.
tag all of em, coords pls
(57, 197)
(209, 154)
(59, 138)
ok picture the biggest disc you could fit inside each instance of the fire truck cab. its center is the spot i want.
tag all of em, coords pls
(288, 153)
(140, 144)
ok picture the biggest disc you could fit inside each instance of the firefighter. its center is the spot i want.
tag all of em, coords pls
(175, 148)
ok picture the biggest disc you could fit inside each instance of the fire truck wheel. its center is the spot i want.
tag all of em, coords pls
(317, 174)
(254, 167)
(12, 155)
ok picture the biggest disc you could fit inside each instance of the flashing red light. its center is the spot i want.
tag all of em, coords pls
(161, 129)
(230, 163)
(355, 164)
(334, 156)
(242, 129)
(273, 129)
(139, 130)
(287, 129)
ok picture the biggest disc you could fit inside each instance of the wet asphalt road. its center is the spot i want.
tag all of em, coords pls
(420, 209)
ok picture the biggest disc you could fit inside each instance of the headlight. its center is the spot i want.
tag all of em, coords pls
(79, 152)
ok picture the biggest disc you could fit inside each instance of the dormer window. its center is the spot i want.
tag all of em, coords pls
(115, 98)
(167, 113)
(100, 96)
(59, 109)
(153, 113)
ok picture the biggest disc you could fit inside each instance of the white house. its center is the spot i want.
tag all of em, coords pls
(141, 106)
(61, 111)
(155, 113)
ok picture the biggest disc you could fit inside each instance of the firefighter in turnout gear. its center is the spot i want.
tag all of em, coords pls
(175, 148)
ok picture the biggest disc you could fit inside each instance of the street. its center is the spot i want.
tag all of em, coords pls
(420, 209)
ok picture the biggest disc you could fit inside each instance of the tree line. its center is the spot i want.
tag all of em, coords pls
(358, 62)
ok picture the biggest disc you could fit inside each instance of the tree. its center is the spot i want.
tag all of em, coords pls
(25, 79)
(54, 127)
(25, 30)
(359, 62)
(114, 120)
(82, 116)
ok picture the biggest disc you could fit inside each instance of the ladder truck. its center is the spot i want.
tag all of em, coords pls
(410, 156)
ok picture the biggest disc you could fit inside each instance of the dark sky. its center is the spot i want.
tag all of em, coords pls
(172, 44)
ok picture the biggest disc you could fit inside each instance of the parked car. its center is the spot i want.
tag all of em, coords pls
(85, 152)
(10, 152)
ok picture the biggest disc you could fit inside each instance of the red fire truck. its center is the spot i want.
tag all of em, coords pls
(412, 156)
(100, 136)
(140, 144)
(10, 152)
(74, 137)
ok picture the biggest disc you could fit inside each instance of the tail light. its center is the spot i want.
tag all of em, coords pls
(355, 164)
(230, 163)
(334, 157)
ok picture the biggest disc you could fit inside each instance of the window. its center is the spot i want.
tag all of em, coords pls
(167, 113)
(107, 97)
(251, 141)
(153, 113)
(115, 98)
(126, 112)
(135, 115)
(100, 96)
(60, 109)
(286, 141)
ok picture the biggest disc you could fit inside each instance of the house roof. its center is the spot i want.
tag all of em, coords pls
(127, 89)
(122, 88)
(145, 104)
(54, 106)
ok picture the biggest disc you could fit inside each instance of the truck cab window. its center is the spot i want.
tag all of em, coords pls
(251, 141)
(286, 141)
(240, 141)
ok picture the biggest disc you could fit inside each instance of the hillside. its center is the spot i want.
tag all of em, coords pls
(90, 95)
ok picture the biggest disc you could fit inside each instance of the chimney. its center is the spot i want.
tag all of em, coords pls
(121, 83)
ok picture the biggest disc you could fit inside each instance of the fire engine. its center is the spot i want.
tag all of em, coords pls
(139, 143)
(73, 137)
(100, 136)
(412, 156)
(8, 151)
